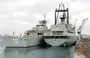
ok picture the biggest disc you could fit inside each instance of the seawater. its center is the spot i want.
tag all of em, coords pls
(35, 52)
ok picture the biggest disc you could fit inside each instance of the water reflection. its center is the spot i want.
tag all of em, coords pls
(52, 52)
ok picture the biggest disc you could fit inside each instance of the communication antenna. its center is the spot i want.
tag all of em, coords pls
(43, 22)
(13, 32)
(44, 16)
(75, 27)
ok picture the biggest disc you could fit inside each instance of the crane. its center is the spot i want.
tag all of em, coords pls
(79, 30)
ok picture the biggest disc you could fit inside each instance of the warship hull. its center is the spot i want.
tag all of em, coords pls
(19, 42)
(69, 41)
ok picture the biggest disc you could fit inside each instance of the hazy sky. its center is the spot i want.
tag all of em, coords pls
(21, 15)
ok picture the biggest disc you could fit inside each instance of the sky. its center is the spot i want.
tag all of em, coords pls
(21, 15)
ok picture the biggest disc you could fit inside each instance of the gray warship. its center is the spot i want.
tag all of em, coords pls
(56, 42)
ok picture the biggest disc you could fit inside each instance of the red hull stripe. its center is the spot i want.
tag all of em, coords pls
(21, 46)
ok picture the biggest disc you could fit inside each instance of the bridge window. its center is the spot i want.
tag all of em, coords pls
(57, 32)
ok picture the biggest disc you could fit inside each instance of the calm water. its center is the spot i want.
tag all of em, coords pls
(52, 52)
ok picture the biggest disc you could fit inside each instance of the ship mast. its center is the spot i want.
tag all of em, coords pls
(43, 22)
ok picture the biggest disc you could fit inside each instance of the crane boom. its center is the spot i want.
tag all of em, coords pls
(81, 26)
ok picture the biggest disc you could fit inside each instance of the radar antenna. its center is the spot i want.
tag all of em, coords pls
(43, 22)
